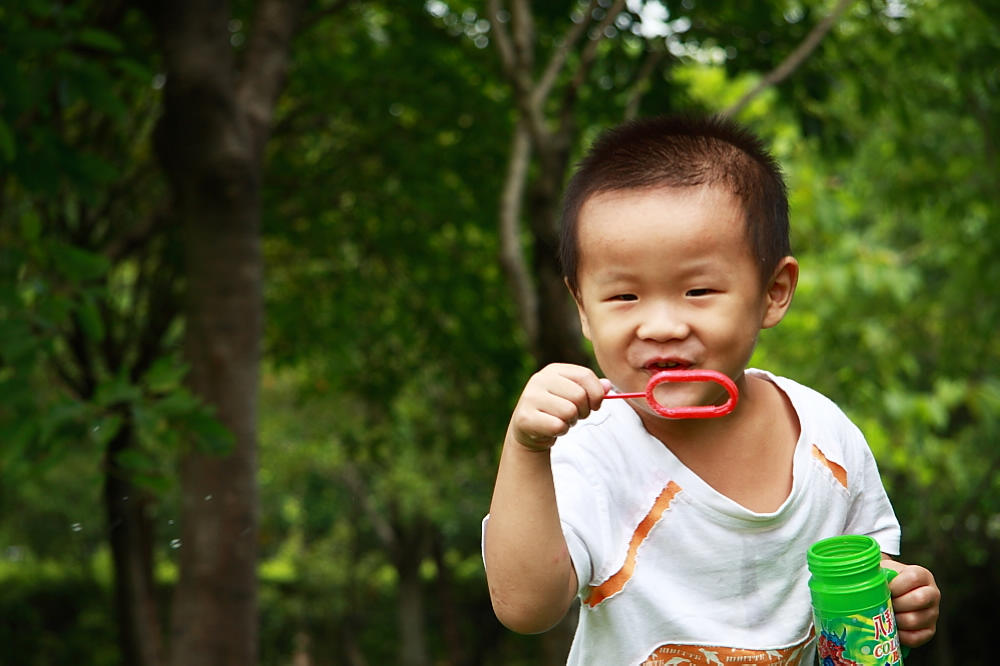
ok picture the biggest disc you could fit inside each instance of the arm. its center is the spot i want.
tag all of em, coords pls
(916, 602)
(531, 577)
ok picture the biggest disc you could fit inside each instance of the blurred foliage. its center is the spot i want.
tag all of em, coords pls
(54, 614)
(392, 353)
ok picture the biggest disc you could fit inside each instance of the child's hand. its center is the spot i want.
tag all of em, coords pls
(555, 398)
(916, 602)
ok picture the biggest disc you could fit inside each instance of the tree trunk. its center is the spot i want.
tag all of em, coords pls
(350, 649)
(210, 141)
(408, 553)
(450, 622)
(215, 610)
(208, 156)
(559, 335)
(412, 644)
(130, 533)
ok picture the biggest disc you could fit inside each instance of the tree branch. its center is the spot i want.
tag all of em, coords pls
(587, 58)
(561, 54)
(515, 56)
(523, 23)
(511, 252)
(383, 528)
(266, 65)
(315, 17)
(517, 59)
(641, 84)
(501, 37)
(794, 59)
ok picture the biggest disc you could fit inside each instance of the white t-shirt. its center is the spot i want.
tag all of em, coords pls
(673, 572)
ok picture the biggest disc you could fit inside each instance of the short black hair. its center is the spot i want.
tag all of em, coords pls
(683, 151)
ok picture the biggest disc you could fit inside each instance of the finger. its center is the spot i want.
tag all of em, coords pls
(554, 399)
(918, 599)
(916, 638)
(917, 620)
(909, 577)
(540, 431)
(586, 378)
(596, 390)
(580, 386)
(539, 428)
(556, 408)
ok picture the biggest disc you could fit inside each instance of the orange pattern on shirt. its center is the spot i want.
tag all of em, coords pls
(839, 472)
(707, 655)
(617, 581)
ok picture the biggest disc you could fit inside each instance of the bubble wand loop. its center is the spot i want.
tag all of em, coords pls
(687, 412)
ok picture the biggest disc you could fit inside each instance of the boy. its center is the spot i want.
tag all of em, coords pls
(684, 539)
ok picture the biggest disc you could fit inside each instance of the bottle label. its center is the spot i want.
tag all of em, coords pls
(865, 639)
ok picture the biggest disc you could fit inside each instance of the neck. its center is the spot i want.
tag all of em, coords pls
(708, 433)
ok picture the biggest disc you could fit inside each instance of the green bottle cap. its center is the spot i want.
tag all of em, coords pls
(847, 576)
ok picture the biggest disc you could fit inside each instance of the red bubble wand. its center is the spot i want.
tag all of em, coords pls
(687, 412)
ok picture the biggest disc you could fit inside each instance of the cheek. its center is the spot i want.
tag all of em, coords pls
(736, 330)
(585, 326)
(609, 335)
(584, 319)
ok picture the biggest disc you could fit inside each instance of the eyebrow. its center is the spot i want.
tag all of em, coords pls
(700, 266)
(612, 276)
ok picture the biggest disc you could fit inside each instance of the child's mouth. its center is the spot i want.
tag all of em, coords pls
(659, 366)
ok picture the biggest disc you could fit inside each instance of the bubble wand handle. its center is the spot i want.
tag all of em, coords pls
(692, 411)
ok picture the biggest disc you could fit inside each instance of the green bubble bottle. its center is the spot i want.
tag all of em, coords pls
(852, 608)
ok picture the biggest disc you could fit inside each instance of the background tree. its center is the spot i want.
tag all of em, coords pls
(89, 291)
(97, 287)
(218, 104)
(400, 349)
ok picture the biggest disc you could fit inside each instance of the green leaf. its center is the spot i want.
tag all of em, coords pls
(211, 436)
(17, 340)
(8, 146)
(116, 391)
(61, 414)
(136, 460)
(157, 483)
(135, 69)
(78, 264)
(179, 402)
(105, 429)
(31, 225)
(90, 319)
(145, 421)
(101, 40)
(165, 374)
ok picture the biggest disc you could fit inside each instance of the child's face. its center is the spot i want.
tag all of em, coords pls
(666, 280)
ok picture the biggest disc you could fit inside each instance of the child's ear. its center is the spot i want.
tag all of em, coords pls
(584, 324)
(780, 289)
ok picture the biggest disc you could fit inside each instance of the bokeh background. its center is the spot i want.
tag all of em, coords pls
(272, 275)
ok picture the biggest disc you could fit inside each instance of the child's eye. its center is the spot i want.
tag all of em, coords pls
(695, 293)
(624, 297)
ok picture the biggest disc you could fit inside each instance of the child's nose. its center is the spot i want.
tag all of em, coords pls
(663, 323)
